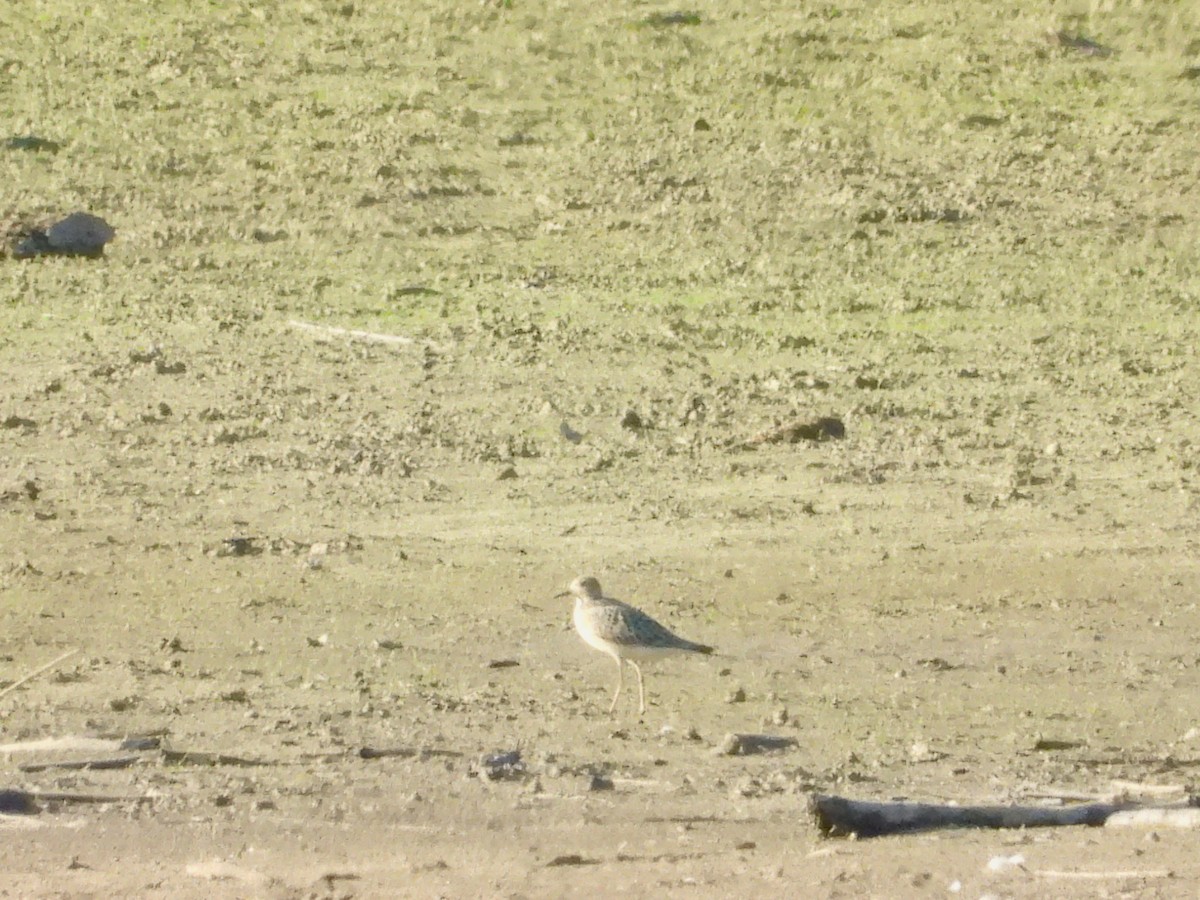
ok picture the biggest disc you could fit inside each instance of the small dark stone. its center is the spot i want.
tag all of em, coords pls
(79, 234)
(412, 290)
(144, 356)
(25, 489)
(32, 142)
(632, 421)
(982, 121)
(795, 342)
(506, 766)
(141, 743)
(570, 859)
(1080, 44)
(668, 20)
(731, 745)
(831, 427)
(750, 744)
(820, 429)
(239, 546)
(173, 645)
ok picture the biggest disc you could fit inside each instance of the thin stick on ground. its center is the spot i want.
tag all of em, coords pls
(119, 762)
(1156, 817)
(374, 337)
(1099, 876)
(34, 674)
(1134, 788)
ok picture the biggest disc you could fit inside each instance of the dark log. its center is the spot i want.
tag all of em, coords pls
(405, 752)
(194, 758)
(20, 803)
(840, 816)
(119, 762)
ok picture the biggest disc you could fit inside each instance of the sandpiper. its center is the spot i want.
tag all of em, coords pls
(623, 632)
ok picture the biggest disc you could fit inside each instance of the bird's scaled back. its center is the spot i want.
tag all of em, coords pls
(622, 624)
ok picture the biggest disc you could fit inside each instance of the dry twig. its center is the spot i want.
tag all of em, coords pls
(373, 337)
(34, 674)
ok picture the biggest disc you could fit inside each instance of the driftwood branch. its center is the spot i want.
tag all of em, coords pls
(1156, 817)
(70, 742)
(840, 816)
(13, 802)
(1118, 874)
(119, 762)
(405, 752)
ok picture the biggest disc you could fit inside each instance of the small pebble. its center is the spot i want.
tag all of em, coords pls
(731, 745)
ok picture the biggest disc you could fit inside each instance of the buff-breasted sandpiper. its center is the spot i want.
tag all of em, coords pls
(624, 633)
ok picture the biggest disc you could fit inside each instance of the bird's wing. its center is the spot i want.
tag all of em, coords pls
(640, 628)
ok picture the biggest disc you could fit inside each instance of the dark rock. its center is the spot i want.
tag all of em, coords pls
(600, 783)
(750, 744)
(79, 234)
(32, 142)
(17, 803)
(505, 766)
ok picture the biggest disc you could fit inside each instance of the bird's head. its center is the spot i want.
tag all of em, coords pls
(585, 587)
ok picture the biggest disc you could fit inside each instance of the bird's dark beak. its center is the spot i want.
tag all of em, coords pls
(562, 594)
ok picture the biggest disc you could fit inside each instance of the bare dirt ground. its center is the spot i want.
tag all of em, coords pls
(973, 244)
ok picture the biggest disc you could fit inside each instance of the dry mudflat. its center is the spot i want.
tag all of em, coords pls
(621, 251)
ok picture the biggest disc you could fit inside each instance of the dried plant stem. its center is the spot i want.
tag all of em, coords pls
(34, 674)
